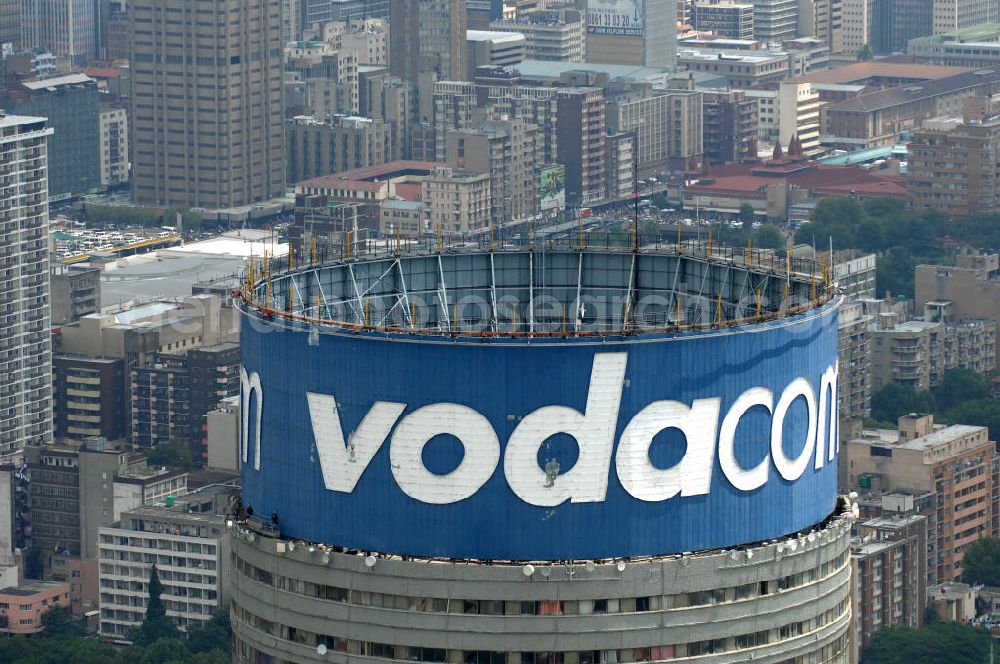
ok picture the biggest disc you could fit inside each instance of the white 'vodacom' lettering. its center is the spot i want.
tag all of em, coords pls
(343, 462)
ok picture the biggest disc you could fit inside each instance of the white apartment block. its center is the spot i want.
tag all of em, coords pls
(190, 551)
(798, 115)
(114, 146)
(792, 110)
(25, 344)
(548, 38)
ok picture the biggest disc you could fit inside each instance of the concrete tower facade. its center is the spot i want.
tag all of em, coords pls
(25, 344)
(207, 102)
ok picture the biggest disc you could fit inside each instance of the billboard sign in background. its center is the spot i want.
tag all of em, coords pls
(552, 187)
(615, 17)
(356, 446)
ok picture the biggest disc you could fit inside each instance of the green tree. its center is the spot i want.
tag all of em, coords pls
(768, 237)
(958, 386)
(746, 214)
(894, 272)
(939, 642)
(213, 635)
(981, 562)
(981, 412)
(834, 210)
(865, 53)
(893, 400)
(166, 651)
(174, 454)
(659, 200)
(156, 625)
(59, 622)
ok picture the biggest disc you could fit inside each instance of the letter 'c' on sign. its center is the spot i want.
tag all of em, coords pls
(742, 479)
(482, 453)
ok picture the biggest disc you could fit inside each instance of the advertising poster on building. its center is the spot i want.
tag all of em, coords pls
(552, 187)
(615, 17)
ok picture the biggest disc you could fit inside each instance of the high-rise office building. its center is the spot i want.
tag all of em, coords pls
(206, 102)
(427, 44)
(774, 21)
(636, 32)
(67, 28)
(25, 343)
(10, 23)
(952, 15)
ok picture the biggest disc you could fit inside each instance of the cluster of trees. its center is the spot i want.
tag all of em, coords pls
(156, 641)
(173, 454)
(981, 562)
(100, 215)
(902, 238)
(962, 397)
(955, 643)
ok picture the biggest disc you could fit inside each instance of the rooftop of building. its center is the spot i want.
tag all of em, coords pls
(927, 89)
(102, 72)
(57, 82)
(147, 475)
(30, 587)
(493, 36)
(987, 33)
(14, 120)
(750, 178)
(87, 359)
(402, 204)
(749, 58)
(174, 514)
(552, 70)
(201, 477)
(942, 435)
(858, 72)
(371, 178)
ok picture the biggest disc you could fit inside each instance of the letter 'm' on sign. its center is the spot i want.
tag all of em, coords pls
(482, 453)
(594, 432)
(751, 478)
(249, 385)
(692, 476)
(343, 463)
(827, 435)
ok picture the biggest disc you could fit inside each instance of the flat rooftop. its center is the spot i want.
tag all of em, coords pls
(884, 99)
(551, 70)
(860, 71)
(29, 587)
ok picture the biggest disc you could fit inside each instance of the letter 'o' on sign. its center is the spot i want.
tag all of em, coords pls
(474, 431)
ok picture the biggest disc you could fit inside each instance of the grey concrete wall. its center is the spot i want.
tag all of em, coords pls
(664, 579)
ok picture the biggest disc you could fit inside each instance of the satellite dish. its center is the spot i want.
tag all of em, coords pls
(620, 566)
(546, 571)
(590, 566)
(321, 649)
(749, 554)
(812, 537)
(528, 570)
(325, 559)
(369, 561)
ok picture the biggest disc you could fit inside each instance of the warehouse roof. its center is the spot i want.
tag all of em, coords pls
(882, 99)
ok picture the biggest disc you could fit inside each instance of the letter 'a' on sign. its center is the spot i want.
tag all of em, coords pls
(482, 453)
(692, 476)
(343, 464)
(751, 478)
(594, 432)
